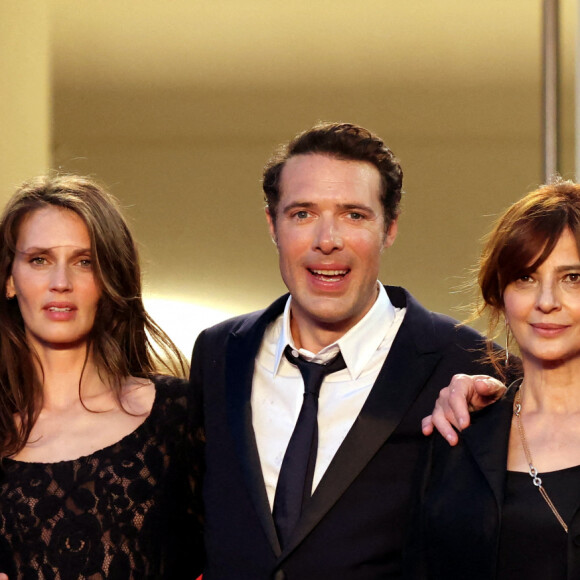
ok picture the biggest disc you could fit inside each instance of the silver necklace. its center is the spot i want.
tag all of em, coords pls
(533, 471)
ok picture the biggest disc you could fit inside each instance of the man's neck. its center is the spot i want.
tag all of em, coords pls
(314, 335)
(313, 338)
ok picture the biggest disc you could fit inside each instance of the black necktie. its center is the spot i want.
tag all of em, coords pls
(295, 480)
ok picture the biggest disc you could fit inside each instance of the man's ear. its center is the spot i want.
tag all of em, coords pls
(271, 225)
(10, 290)
(391, 233)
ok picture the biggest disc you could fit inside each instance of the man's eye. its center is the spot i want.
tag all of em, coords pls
(302, 214)
(356, 216)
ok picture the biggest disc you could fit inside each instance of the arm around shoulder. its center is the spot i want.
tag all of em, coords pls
(471, 388)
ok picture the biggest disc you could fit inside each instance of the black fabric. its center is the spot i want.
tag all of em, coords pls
(356, 521)
(294, 486)
(533, 544)
(470, 506)
(128, 511)
(455, 532)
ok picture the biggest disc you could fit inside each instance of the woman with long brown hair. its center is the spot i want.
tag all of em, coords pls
(98, 452)
(505, 502)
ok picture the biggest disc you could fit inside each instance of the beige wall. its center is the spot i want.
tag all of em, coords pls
(25, 97)
(176, 106)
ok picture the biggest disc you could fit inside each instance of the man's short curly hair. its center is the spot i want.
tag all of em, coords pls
(343, 141)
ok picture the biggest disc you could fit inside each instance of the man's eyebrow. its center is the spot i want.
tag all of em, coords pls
(360, 206)
(343, 206)
(296, 204)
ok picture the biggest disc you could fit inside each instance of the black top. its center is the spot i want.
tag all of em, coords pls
(127, 511)
(533, 544)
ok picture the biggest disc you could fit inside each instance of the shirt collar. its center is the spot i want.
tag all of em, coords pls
(357, 345)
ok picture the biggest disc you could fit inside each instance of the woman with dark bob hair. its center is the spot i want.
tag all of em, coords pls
(99, 458)
(504, 503)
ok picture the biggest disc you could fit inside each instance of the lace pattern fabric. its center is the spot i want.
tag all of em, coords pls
(128, 511)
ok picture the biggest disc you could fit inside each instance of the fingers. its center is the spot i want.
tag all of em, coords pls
(426, 427)
(454, 400)
(465, 393)
(451, 409)
(488, 388)
(442, 417)
(461, 391)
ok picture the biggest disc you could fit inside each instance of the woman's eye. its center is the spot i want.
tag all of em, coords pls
(524, 280)
(573, 277)
(38, 260)
(86, 263)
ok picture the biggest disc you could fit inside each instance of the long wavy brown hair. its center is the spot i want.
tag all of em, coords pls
(124, 340)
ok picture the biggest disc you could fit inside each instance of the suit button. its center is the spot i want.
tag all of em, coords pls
(279, 575)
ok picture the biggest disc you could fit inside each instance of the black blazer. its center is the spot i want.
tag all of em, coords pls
(457, 523)
(456, 530)
(356, 522)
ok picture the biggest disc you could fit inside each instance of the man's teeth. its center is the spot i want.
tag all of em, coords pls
(329, 272)
(56, 309)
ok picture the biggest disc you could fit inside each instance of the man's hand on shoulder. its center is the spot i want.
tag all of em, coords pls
(464, 394)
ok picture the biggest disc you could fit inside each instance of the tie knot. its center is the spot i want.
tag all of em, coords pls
(313, 373)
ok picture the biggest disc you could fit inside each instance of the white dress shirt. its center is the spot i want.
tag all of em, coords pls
(278, 389)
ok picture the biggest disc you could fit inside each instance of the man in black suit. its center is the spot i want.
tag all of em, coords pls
(333, 198)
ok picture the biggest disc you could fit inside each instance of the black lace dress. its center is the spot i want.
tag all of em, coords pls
(128, 511)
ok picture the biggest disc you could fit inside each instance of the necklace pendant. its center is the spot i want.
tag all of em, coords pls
(533, 471)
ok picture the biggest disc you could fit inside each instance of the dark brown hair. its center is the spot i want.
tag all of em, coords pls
(343, 141)
(124, 340)
(521, 240)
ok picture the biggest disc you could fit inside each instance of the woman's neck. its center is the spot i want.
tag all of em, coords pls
(553, 388)
(62, 371)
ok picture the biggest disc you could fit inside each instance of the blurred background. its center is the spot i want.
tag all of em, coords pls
(177, 105)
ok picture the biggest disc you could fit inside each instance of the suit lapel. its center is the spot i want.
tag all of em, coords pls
(407, 368)
(487, 439)
(241, 351)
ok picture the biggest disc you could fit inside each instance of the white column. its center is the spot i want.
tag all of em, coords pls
(550, 42)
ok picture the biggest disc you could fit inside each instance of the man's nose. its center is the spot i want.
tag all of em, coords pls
(328, 235)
